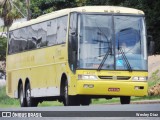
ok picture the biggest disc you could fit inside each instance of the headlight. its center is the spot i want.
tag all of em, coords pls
(138, 78)
(87, 77)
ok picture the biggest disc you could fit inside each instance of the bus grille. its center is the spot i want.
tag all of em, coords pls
(115, 77)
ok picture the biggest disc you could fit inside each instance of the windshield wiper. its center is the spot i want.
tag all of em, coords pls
(125, 59)
(104, 59)
(122, 52)
(109, 52)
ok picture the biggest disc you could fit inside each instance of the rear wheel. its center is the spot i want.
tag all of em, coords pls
(31, 102)
(125, 99)
(21, 96)
(67, 99)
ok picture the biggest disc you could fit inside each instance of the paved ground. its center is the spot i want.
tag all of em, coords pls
(134, 111)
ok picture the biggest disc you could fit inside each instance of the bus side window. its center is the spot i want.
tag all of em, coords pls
(52, 32)
(17, 42)
(42, 35)
(61, 29)
(22, 40)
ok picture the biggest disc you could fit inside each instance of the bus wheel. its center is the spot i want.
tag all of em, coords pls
(31, 102)
(69, 100)
(21, 96)
(125, 99)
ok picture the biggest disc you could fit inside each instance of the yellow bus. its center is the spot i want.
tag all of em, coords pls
(76, 54)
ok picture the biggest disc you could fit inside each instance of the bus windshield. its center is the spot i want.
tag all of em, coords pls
(111, 42)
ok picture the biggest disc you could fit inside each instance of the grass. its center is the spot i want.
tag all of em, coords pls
(7, 102)
(1, 29)
(155, 79)
(50, 103)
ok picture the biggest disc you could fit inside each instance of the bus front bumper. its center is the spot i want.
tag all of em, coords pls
(112, 88)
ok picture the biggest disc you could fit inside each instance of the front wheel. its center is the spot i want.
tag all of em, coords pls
(31, 102)
(67, 99)
(125, 99)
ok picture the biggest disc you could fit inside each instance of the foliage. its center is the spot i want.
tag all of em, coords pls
(6, 101)
(8, 11)
(154, 79)
(3, 46)
(40, 7)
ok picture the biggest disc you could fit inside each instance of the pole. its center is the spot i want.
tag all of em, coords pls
(28, 9)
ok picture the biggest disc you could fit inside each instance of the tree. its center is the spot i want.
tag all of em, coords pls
(9, 11)
(40, 7)
(3, 46)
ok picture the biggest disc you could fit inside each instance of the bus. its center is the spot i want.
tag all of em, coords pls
(77, 54)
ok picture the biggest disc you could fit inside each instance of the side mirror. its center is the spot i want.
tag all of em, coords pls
(151, 45)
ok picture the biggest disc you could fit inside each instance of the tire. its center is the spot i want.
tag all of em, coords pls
(67, 99)
(125, 99)
(22, 99)
(31, 102)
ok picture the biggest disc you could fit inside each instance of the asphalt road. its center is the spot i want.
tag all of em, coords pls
(92, 112)
(130, 107)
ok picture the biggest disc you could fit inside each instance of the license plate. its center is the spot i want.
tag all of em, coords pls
(113, 89)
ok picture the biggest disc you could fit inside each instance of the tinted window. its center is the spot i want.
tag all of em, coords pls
(38, 35)
(52, 32)
(61, 29)
(23, 40)
(17, 41)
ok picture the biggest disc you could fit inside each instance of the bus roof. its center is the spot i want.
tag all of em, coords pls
(98, 9)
